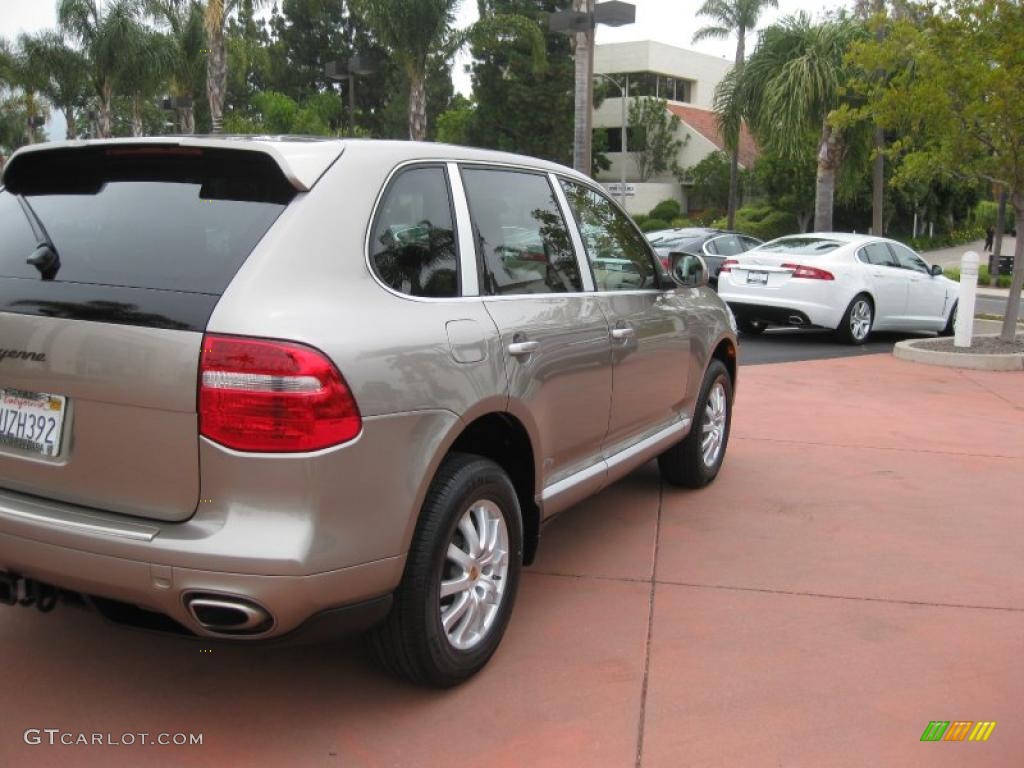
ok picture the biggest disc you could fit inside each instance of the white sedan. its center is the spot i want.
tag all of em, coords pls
(852, 284)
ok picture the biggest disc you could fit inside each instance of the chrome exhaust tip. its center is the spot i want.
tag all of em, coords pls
(228, 615)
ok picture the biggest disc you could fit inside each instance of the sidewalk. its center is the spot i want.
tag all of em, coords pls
(855, 572)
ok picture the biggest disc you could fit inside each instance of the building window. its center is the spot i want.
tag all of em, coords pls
(660, 86)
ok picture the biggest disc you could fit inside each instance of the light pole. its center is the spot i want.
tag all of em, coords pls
(623, 98)
(355, 65)
(581, 22)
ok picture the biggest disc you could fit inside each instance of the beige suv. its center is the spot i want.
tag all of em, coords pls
(265, 388)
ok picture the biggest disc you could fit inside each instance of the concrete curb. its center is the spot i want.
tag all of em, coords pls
(916, 351)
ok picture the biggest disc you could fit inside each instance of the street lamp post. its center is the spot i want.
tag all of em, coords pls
(581, 22)
(624, 97)
(352, 67)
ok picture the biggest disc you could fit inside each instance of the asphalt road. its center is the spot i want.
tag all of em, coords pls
(786, 345)
(993, 305)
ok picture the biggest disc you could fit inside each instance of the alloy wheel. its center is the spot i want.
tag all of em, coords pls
(860, 319)
(475, 575)
(713, 424)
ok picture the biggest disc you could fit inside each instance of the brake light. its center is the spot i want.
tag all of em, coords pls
(666, 262)
(272, 396)
(727, 265)
(809, 273)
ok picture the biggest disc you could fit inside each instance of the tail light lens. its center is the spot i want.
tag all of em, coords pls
(727, 265)
(666, 262)
(272, 396)
(810, 273)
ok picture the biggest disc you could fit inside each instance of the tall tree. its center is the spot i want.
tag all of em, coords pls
(216, 16)
(954, 91)
(419, 33)
(61, 71)
(789, 87)
(732, 17)
(657, 142)
(184, 24)
(110, 40)
(507, 88)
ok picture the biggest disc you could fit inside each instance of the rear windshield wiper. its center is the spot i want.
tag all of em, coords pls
(44, 257)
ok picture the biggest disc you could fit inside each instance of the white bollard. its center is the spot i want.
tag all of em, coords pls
(965, 309)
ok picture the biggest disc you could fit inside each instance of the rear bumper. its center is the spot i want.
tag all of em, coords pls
(780, 310)
(295, 603)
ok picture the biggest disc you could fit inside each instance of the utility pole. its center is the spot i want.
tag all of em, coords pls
(581, 22)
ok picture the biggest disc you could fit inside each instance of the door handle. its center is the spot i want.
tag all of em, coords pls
(622, 333)
(518, 348)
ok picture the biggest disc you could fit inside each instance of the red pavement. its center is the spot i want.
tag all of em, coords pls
(856, 571)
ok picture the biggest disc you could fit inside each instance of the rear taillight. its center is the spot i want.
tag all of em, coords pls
(272, 396)
(727, 265)
(810, 273)
(666, 262)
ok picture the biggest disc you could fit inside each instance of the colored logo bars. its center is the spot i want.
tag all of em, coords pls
(943, 730)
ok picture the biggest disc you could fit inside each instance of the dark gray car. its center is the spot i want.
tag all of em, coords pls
(713, 245)
(253, 389)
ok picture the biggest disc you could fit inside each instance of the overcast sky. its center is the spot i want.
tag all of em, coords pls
(667, 21)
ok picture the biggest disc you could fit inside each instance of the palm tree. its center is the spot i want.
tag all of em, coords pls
(110, 38)
(62, 72)
(732, 17)
(185, 24)
(26, 81)
(216, 16)
(151, 70)
(417, 31)
(789, 87)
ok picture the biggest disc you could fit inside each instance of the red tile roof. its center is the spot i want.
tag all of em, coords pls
(705, 122)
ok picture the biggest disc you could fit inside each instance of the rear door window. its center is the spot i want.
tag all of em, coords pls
(413, 242)
(876, 254)
(522, 241)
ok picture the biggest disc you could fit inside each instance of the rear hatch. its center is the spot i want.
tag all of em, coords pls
(99, 345)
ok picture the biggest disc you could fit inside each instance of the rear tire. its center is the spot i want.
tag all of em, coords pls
(441, 641)
(694, 462)
(950, 328)
(751, 327)
(855, 327)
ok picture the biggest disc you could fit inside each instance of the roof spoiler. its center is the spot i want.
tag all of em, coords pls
(302, 161)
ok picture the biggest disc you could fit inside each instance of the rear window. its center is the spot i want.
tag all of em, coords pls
(800, 246)
(169, 218)
(674, 236)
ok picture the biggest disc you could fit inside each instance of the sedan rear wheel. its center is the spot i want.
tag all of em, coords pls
(855, 326)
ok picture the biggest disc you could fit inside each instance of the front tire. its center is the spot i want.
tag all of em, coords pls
(461, 577)
(694, 462)
(855, 327)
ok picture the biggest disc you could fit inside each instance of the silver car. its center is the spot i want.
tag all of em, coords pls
(275, 388)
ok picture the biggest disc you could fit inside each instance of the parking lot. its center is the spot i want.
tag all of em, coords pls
(854, 573)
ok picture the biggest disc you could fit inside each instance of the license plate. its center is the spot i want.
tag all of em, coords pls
(31, 421)
(757, 278)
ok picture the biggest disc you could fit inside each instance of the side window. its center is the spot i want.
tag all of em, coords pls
(16, 239)
(749, 242)
(907, 259)
(413, 243)
(877, 254)
(617, 253)
(727, 245)
(711, 246)
(521, 238)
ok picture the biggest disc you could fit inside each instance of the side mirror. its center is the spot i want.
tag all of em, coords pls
(936, 270)
(689, 270)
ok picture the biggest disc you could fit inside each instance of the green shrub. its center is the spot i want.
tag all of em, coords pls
(953, 273)
(762, 221)
(650, 225)
(640, 218)
(681, 222)
(667, 210)
(947, 239)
